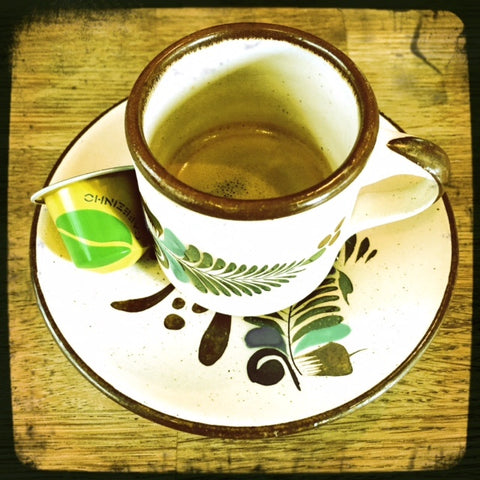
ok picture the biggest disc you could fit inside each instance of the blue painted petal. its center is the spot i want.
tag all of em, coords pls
(265, 337)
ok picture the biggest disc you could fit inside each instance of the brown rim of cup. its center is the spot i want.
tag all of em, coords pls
(261, 209)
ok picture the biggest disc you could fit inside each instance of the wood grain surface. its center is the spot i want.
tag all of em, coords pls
(69, 68)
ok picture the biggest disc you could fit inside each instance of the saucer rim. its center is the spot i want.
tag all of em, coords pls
(228, 431)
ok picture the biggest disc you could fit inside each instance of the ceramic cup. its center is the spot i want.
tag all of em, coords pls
(259, 255)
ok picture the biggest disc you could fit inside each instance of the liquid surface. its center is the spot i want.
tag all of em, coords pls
(248, 161)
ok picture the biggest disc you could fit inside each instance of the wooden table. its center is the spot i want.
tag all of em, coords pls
(67, 69)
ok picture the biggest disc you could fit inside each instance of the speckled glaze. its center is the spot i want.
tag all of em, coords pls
(161, 355)
(251, 257)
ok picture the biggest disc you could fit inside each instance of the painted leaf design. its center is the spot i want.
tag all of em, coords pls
(175, 266)
(363, 248)
(192, 254)
(349, 247)
(331, 359)
(320, 322)
(216, 275)
(309, 329)
(219, 277)
(94, 238)
(172, 243)
(312, 321)
(152, 220)
(371, 255)
(318, 310)
(321, 336)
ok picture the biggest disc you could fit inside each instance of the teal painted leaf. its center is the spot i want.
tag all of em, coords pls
(176, 268)
(322, 322)
(173, 244)
(323, 335)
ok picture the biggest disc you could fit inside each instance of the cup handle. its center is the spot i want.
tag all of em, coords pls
(403, 176)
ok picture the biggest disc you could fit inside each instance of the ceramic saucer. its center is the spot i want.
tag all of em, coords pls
(154, 352)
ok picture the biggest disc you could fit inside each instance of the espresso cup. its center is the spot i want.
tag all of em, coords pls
(259, 150)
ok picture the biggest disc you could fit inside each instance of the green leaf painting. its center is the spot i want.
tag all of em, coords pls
(306, 335)
(210, 274)
(94, 238)
(303, 340)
